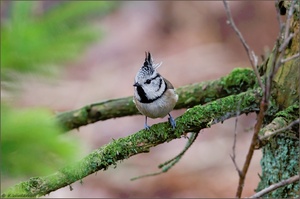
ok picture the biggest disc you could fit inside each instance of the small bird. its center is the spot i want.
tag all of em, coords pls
(154, 96)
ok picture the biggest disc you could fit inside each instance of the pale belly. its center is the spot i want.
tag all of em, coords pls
(159, 108)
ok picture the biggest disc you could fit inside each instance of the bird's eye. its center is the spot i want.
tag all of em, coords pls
(148, 81)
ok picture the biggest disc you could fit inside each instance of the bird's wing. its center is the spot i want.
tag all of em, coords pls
(169, 85)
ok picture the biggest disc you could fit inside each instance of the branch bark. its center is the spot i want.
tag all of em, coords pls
(283, 121)
(275, 186)
(239, 80)
(193, 120)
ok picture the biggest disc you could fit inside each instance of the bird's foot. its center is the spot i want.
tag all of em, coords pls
(172, 121)
(146, 127)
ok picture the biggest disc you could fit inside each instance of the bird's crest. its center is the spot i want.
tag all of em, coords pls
(149, 62)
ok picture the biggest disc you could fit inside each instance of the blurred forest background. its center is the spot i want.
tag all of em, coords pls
(61, 55)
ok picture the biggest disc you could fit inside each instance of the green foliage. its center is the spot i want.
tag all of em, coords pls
(32, 143)
(29, 40)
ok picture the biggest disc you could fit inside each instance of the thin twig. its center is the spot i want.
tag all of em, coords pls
(263, 105)
(266, 90)
(286, 42)
(280, 49)
(166, 166)
(249, 156)
(290, 58)
(265, 100)
(288, 20)
(188, 145)
(275, 186)
(287, 36)
(280, 130)
(234, 141)
(278, 16)
(251, 55)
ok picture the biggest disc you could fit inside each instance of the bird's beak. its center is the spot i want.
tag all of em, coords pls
(136, 84)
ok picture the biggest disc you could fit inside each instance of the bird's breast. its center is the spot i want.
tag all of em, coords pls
(160, 107)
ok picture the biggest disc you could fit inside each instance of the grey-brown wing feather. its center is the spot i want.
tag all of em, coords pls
(169, 85)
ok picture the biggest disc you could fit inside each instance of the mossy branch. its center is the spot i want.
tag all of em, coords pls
(239, 80)
(193, 120)
(283, 121)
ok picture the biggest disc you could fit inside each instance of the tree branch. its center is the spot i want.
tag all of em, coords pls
(284, 120)
(275, 186)
(234, 141)
(193, 120)
(239, 80)
(263, 104)
(270, 134)
(283, 39)
(166, 166)
(290, 58)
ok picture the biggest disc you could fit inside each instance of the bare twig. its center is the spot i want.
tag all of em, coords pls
(166, 166)
(263, 105)
(275, 186)
(288, 20)
(287, 36)
(280, 123)
(283, 40)
(280, 130)
(251, 55)
(234, 141)
(249, 156)
(290, 58)
(280, 50)
(278, 16)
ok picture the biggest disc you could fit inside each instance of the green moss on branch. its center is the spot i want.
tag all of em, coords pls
(193, 120)
(281, 120)
(281, 154)
(239, 80)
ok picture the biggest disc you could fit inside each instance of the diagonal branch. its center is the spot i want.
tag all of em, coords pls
(193, 120)
(263, 105)
(239, 80)
(290, 58)
(251, 55)
(276, 186)
(270, 134)
(232, 156)
(283, 39)
(166, 166)
(283, 121)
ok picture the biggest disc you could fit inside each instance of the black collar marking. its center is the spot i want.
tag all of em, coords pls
(144, 99)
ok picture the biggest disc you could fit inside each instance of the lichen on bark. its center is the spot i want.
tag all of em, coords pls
(280, 159)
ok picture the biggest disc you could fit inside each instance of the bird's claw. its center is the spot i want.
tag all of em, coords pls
(146, 127)
(172, 122)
